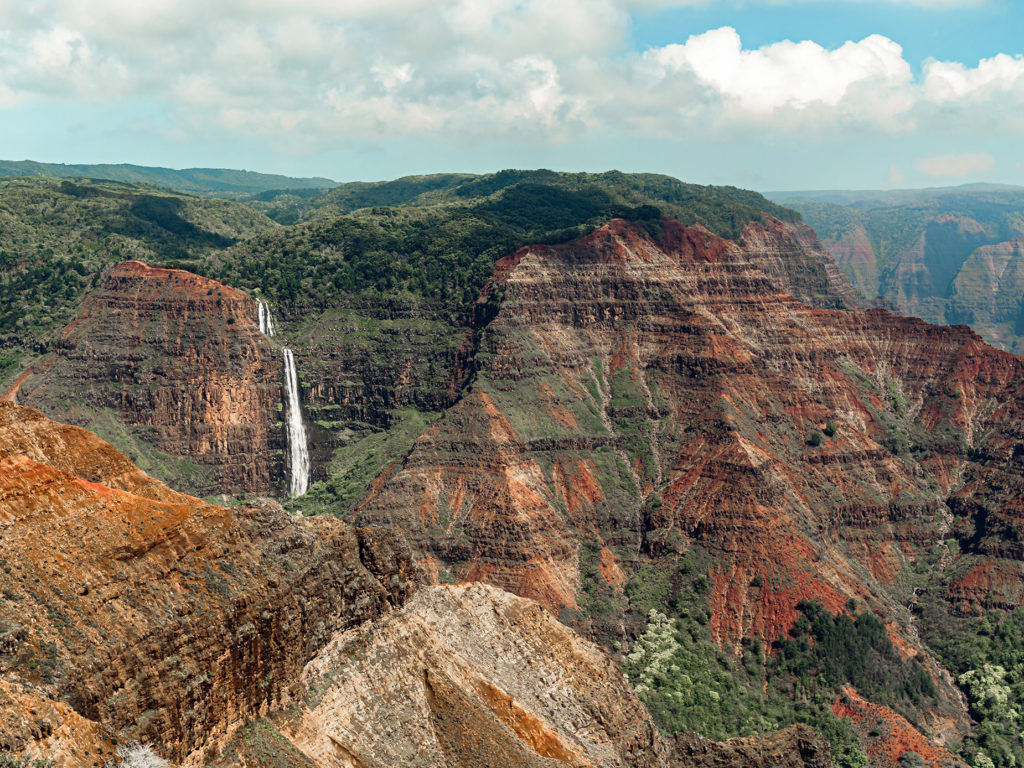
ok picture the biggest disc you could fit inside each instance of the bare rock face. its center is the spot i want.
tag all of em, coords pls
(795, 262)
(172, 367)
(472, 676)
(795, 747)
(469, 675)
(890, 738)
(135, 612)
(633, 399)
(231, 637)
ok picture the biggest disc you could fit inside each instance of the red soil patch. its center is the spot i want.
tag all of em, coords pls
(897, 736)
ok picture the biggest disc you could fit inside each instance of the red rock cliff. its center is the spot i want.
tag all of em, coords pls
(165, 359)
(633, 397)
(135, 612)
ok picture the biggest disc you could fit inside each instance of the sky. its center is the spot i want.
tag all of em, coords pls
(766, 94)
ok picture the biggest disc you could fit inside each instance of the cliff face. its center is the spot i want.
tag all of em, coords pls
(477, 677)
(171, 367)
(795, 262)
(633, 399)
(474, 677)
(241, 637)
(135, 612)
(948, 256)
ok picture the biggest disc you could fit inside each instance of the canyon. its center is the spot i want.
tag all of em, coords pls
(242, 636)
(946, 255)
(644, 417)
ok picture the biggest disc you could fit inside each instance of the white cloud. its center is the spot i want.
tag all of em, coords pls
(312, 73)
(786, 74)
(946, 81)
(956, 166)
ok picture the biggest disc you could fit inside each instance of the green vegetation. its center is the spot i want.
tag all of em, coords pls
(261, 743)
(438, 241)
(56, 237)
(690, 684)
(825, 651)
(178, 472)
(986, 656)
(212, 182)
(10, 760)
(362, 457)
(722, 209)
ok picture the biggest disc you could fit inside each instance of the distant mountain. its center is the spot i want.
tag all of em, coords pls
(553, 194)
(948, 255)
(873, 198)
(210, 182)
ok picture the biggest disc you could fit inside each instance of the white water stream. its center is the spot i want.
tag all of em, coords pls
(265, 318)
(295, 430)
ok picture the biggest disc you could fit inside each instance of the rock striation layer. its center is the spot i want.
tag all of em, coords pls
(635, 398)
(135, 612)
(474, 677)
(172, 367)
(241, 637)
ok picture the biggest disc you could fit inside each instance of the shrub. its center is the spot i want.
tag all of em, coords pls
(9, 760)
(138, 756)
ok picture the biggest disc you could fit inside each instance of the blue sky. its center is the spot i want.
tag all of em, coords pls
(769, 94)
(965, 32)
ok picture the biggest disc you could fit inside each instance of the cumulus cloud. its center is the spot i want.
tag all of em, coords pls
(956, 166)
(311, 73)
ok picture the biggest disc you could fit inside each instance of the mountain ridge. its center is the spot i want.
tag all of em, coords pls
(214, 182)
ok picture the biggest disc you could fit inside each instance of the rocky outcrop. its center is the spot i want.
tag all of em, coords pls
(240, 637)
(171, 366)
(795, 746)
(795, 262)
(474, 677)
(855, 255)
(135, 612)
(470, 676)
(891, 739)
(635, 399)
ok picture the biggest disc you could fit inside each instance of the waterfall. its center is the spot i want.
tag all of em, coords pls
(265, 318)
(298, 452)
(295, 430)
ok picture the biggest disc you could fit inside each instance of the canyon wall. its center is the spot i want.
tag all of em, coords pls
(636, 401)
(242, 637)
(172, 368)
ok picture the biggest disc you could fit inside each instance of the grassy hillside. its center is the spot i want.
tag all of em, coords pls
(57, 236)
(437, 237)
(212, 182)
(724, 210)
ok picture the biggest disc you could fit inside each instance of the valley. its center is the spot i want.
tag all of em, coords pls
(407, 457)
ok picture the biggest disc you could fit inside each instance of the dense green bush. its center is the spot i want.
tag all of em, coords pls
(440, 238)
(986, 655)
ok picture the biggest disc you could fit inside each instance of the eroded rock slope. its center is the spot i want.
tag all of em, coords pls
(133, 612)
(241, 637)
(171, 367)
(634, 399)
